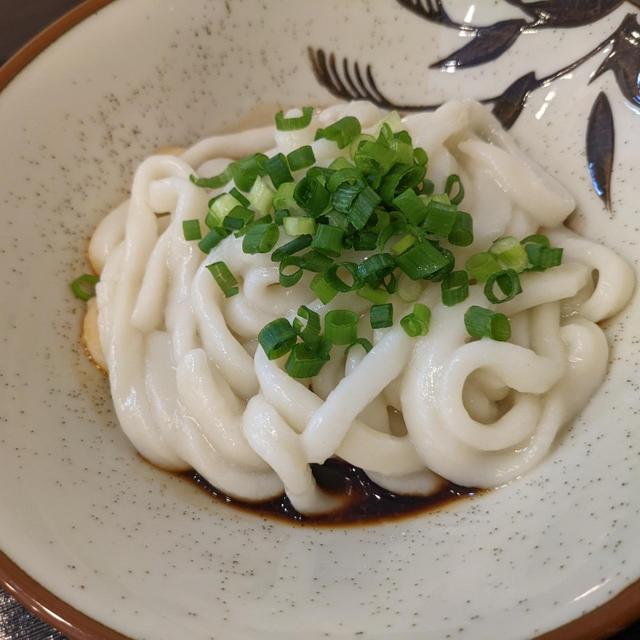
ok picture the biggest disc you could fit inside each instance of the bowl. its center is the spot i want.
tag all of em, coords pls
(106, 545)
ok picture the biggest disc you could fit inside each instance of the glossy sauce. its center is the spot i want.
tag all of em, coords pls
(364, 501)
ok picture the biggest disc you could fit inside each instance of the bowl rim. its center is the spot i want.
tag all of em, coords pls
(602, 622)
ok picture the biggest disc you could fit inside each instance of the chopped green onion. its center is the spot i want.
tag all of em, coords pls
(373, 157)
(339, 284)
(215, 182)
(422, 260)
(84, 287)
(402, 245)
(260, 238)
(374, 269)
(363, 206)
(440, 218)
(239, 197)
(225, 279)
(343, 197)
(365, 240)
(261, 196)
(219, 209)
(412, 206)
(417, 322)
(315, 261)
(481, 265)
(279, 215)
(341, 326)
(298, 226)
(510, 253)
(540, 255)
(377, 296)
(462, 233)
(277, 338)
(301, 158)
(481, 322)
(307, 324)
(363, 342)
(346, 175)
(381, 316)
(455, 288)
(294, 123)
(311, 195)
(507, 281)
(420, 155)
(278, 170)
(306, 359)
(452, 181)
(290, 271)
(246, 171)
(191, 230)
(328, 239)
(237, 218)
(289, 248)
(407, 289)
(212, 239)
(342, 132)
(542, 258)
(400, 178)
(323, 290)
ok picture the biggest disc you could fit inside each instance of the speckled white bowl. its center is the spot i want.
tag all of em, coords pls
(144, 552)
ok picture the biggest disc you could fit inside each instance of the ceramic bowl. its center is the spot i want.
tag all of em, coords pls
(103, 544)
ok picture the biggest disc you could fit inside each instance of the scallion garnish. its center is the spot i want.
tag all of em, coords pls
(508, 282)
(510, 253)
(288, 249)
(481, 265)
(278, 170)
(311, 195)
(307, 359)
(260, 238)
(191, 230)
(277, 338)
(362, 342)
(215, 182)
(350, 280)
(343, 132)
(462, 233)
(455, 288)
(295, 122)
(481, 323)
(341, 326)
(307, 324)
(328, 239)
(225, 279)
(289, 271)
(381, 316)
(301, 158)
(323, 290)
(212, 239)
(422, 260)
(298, 226)
(84, 286)
(454, 183)
(417, 322)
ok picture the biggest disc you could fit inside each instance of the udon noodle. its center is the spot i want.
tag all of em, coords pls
(193, 388)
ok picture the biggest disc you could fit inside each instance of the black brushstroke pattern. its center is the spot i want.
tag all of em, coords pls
(624, 59)
(488, 44)
(347, 82)
(508, 105)
(567, 13)
(600, 147)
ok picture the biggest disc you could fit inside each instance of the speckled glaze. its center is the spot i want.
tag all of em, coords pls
(146, 553)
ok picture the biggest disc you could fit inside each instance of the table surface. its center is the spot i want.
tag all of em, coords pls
(21, 21)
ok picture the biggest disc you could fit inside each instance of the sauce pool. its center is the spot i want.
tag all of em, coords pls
(364, 502)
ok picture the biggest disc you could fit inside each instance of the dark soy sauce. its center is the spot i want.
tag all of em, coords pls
(363, 501)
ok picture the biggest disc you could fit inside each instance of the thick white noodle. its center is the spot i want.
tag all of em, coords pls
(193, 389)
